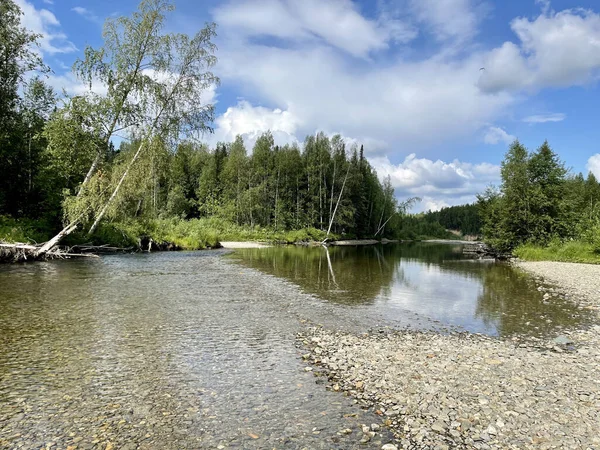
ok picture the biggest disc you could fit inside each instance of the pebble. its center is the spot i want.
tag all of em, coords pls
(462, 390)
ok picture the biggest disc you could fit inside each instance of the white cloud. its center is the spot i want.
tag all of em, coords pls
(251, 121)
(557, 49)
(48, 2)
(449, 19)
(439, 183)
(431, 204)
(593, 165)
(45, 23)
(543, 118)
(494, 135)
(69, 83)
(335, 22)
(417, 103)
(87, 14)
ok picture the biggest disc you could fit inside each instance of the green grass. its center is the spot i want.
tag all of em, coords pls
(195, 234)
(27, 231)
(571, 251)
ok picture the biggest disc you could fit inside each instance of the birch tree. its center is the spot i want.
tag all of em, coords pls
(156, 84)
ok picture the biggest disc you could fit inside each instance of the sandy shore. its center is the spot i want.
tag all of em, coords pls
(234, 245)
(470, 391)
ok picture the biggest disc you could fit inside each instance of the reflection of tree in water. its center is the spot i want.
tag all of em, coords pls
(510, 302)
(350, 275)
(426, 253)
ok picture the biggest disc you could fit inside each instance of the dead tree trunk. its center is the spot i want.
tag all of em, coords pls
(56, 239)
(338, 201)
(115, 191)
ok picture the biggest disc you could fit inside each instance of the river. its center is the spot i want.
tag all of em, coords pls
(198, 349)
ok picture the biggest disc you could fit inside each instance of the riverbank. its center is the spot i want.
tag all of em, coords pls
(572, 251)
(470, 391)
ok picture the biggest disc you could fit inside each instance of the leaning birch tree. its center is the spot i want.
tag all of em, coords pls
(156, 89)
(123, 67)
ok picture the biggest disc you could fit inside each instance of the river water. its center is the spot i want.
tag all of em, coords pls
(198, 350)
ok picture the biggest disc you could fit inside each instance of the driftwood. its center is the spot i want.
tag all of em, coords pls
(89, 248)
(11, 253)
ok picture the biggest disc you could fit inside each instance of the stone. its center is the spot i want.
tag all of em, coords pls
(439, 427)
(389, 447)
(562, 340)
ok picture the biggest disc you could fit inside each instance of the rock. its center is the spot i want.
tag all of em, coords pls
(562, 340)
(389, 447)
(375, 427)
(439, 427)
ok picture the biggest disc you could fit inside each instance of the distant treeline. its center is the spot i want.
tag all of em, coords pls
(448, 223)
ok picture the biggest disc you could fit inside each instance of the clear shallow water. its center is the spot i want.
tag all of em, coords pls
(421, 281)
(194, 350)
(169, 351)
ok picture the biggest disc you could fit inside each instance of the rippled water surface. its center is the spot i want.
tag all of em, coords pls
(197, 350)
(421, 281)
(163, 351)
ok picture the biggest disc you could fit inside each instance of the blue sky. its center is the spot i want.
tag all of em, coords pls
(401, 77)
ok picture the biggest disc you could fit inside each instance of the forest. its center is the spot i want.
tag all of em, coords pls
(541, 210)
(64, 176)
(62, 171)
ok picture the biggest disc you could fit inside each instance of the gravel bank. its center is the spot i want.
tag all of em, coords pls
(470, 391)
(580, 282)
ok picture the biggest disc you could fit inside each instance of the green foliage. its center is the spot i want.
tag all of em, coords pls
(464, 219)
(422, 227)
(193, 234)
(569, 251)
(540, 211)
(32, 231)
(532, 205)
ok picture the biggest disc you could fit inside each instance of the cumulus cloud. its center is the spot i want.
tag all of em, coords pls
(69, 83)
(335, 22)
(417, 103)
(495, 135)
(45, 23)
(593, 165)
(449, 19)
(556, 49)
(252, 121)
(439, 183)
(543, 118)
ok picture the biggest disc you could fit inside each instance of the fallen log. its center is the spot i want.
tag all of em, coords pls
(14, 253)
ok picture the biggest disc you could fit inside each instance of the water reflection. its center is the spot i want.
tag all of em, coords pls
(433, 280)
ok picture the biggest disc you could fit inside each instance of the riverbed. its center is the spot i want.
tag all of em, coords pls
(201, 349)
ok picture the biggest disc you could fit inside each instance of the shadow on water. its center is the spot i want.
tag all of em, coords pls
(432, 280)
